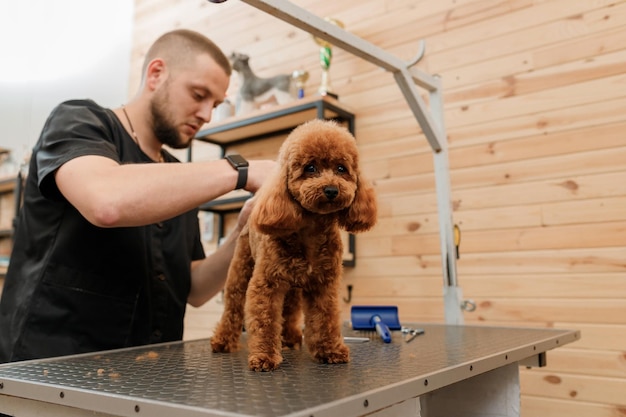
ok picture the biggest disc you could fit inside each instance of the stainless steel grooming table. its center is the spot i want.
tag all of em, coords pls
(475, 366)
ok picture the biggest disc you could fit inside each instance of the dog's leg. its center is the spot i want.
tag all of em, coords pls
(228, 331)
(322, 325)
(245, 107)
(292, 313)
(264, 307)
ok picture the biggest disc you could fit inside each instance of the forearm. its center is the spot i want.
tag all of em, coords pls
(112, 195)
(208, 276)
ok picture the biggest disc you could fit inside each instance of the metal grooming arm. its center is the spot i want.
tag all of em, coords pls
(431, 124)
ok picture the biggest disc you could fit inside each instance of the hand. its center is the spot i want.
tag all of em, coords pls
(244, 213)
(258, 172)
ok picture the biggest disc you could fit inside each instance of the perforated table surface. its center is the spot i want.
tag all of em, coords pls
(187, 379)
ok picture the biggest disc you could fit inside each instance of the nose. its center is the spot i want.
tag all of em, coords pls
(331, 192)
(205, 111)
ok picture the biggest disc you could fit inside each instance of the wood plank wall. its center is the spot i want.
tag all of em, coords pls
(535, 110)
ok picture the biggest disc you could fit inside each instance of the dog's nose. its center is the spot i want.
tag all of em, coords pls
(331, 192)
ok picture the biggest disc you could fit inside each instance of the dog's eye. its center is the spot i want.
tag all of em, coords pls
(310, 169)
(342, 169)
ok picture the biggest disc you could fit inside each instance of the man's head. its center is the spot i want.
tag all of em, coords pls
(179, 47)
(185, 76)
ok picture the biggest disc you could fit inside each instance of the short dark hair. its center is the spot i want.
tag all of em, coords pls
(179, 46)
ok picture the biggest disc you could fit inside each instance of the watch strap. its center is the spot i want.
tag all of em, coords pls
(241, 165)
(242, 179)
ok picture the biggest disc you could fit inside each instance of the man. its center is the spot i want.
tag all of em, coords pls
(107, 249)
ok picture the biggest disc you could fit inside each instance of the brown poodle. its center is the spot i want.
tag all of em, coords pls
(288, 259)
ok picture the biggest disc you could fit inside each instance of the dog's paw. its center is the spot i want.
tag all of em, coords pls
(339, 355)
(220, 344)
(262, 362)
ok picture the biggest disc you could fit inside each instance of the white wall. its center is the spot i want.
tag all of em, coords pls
(55, 50)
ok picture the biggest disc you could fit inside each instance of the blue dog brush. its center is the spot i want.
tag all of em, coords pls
(383, 319)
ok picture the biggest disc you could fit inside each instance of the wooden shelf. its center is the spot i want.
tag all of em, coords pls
(7, 184)
(229, 203)
(4, 265)
(259, 123)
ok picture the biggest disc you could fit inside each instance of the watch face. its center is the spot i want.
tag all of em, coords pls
(237, 160)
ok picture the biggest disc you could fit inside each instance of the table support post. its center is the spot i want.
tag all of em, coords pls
(495, 394)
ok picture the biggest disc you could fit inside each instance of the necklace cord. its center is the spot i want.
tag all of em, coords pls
(134, 134)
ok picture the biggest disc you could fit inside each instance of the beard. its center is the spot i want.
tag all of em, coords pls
(163, 127)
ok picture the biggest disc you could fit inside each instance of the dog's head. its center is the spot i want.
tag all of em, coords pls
(238, 61)
(318, 173)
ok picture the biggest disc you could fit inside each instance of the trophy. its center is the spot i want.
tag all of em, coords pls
(326, 55)
(300, 77)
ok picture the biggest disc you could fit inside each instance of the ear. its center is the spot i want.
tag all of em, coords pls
(362, 213)
(275, 212)
(155, 73)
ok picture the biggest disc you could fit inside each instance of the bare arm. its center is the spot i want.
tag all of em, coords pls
(111, 195)
(208, 276)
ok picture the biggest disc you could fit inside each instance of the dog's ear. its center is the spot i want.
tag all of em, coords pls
(275, 212)
(362, 213)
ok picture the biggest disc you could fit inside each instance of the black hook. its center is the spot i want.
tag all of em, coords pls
(347, 300)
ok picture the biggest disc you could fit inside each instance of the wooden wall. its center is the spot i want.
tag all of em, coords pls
(535, 110)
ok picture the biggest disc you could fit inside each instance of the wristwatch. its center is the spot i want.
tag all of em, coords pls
(239, 163)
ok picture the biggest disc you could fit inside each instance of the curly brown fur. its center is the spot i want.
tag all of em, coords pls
(288, 260)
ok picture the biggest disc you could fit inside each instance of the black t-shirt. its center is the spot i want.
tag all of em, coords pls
(72, 287)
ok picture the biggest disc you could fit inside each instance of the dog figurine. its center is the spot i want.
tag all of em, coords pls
(288, 259)
(255, 90)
